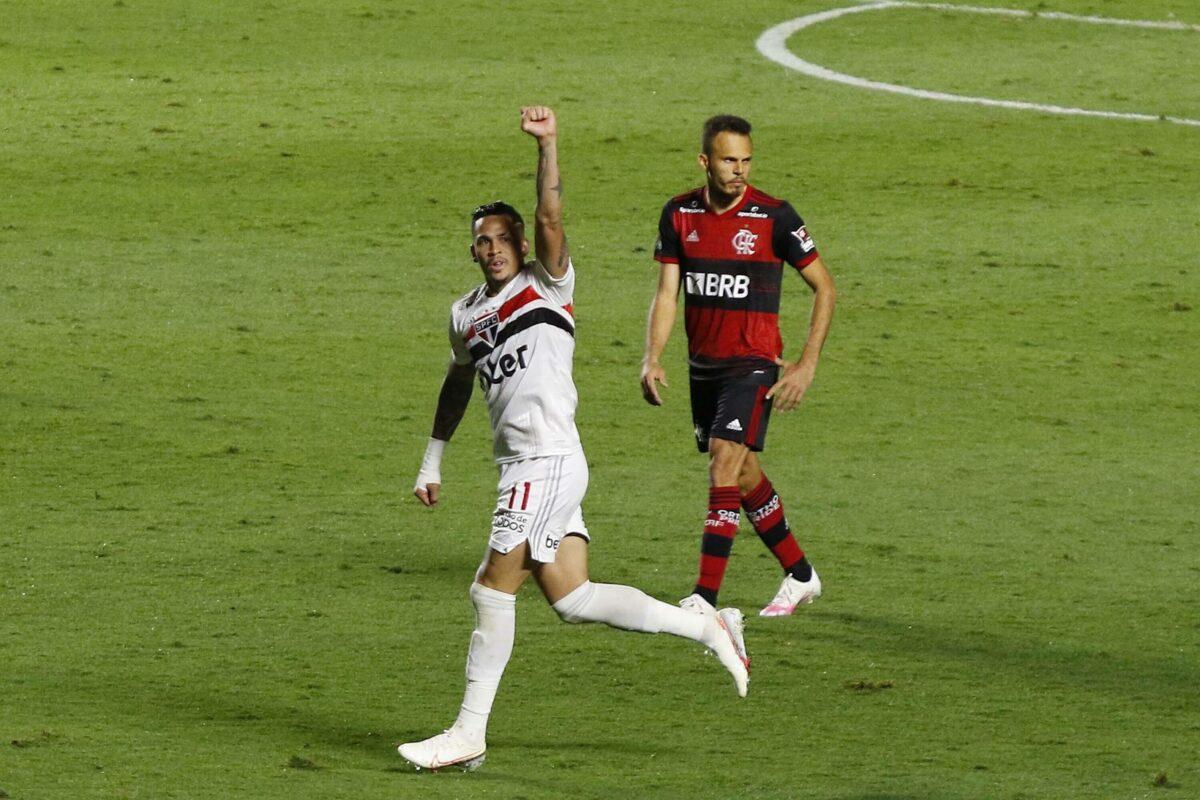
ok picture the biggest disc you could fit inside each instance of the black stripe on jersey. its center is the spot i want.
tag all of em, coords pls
(480, 350)
(538, 316)
(763, 274)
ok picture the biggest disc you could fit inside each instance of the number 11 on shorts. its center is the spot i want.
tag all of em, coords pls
(512, 495)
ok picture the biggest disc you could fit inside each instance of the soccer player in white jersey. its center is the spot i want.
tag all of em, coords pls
(515, 333)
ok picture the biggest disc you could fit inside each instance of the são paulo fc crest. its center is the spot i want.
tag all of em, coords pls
(743, 242)
(485, 327)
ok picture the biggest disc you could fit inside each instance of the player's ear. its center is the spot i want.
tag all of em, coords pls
(524, 246)
(474, 255)
(703, 159)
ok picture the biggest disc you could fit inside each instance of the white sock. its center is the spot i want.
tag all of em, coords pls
(491, 645)
(629, 608)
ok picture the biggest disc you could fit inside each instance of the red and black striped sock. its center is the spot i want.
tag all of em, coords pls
(720, 527)
(765, 510)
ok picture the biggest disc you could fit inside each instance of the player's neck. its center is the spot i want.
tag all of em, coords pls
(718, 202)
(495, 287)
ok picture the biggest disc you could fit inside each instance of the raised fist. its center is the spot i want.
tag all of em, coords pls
(538, 121)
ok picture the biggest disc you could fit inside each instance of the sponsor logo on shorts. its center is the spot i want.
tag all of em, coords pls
(505, 519)
(736, 425)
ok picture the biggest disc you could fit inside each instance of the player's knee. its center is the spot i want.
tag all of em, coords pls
(750, 474)
(725, 462)
(573, 608)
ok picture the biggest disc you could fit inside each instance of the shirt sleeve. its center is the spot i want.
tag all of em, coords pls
(557, 290)
(458, 347)
(666, 249)
(791, 240)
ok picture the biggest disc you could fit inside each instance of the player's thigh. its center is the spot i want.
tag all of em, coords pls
(505, 572)
(567, 572)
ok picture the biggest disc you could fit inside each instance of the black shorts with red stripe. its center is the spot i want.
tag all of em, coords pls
(732, 404)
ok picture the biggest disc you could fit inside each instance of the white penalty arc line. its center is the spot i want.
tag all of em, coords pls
(773, 44)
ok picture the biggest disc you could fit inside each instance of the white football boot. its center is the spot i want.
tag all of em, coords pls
(735, 624)
(792, 593)
(723, 636)
(447, 749)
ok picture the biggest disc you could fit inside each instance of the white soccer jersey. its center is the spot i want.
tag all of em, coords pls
(522, 342)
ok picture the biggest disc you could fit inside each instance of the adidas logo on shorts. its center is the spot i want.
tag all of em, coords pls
(734, 426)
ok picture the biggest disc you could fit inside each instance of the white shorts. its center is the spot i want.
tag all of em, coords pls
(539, 502)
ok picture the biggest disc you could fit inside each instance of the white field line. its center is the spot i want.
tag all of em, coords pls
(773, 44)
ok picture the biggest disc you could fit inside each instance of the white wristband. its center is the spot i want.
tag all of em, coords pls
(431, 464)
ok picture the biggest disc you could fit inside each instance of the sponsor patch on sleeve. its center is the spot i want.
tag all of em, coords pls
(806, 242)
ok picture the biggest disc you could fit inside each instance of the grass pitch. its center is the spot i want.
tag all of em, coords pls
(229, 239)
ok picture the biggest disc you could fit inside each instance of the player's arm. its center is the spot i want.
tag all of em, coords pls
(658, 330)
(549, 240)
(797, 376)
(451, 405)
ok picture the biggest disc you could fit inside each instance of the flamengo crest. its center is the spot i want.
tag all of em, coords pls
(743, 242)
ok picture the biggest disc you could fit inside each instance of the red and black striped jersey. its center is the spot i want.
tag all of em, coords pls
(731, 268)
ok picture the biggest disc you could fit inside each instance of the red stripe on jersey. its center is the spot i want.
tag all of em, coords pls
(570, 309)
(718, 333)
(522, 298)
(756, 413)
(808, 259)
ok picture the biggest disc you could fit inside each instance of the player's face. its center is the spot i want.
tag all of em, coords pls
(498, 248)
(727, 164)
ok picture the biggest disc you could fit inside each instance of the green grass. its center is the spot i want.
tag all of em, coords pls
(229, 239)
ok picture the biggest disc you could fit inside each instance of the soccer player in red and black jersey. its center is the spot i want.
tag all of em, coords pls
(726, 244)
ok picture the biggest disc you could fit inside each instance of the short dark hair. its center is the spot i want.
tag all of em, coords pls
(722, 123)
(498, 208)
